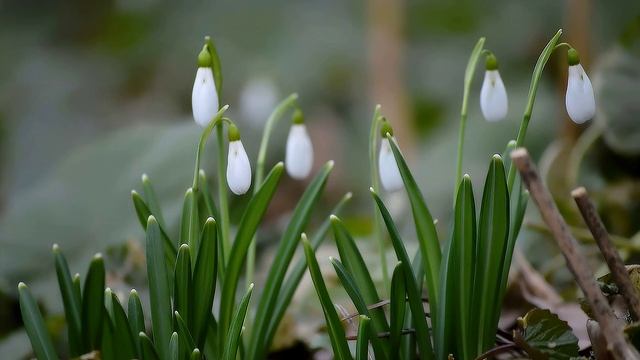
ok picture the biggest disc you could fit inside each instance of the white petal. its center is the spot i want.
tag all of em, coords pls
(299, 155)
(493, 97)
(580, 101)
(389, 174)
(204, 97)
(238, 168)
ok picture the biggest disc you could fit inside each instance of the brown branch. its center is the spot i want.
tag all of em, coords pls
(576, 261)
(498, 350)
(380, 304)
(382, 334)
(611, 256)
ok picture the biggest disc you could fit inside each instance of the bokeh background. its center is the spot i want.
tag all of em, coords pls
(95, 93)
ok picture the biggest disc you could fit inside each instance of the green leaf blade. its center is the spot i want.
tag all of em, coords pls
(204, 281)
(182, 285)
(362, 343)
(72, 305)
(397, 306)
(235, 329)
(34, 324)
(159, 290)
(93, 304)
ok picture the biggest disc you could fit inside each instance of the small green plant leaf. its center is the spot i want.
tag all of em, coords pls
(425, 229)
(125, 345)
(189, 221)
(72, 304)
(544, 336)
(93, 304)
(195, 355)
(397, 305)
(174, 347)
(362, 343)
(149, 352)
(152, 200)
(296, 273)
(334, 325)
(159, 290)
(493, 233)
(34, 324)
(143, 212)
(235, 329)
(182, 285)
(204, 281)
(415, 299)
(380, 349)
(136, 318)
(246, 230)
(283, 255)
(186, 340)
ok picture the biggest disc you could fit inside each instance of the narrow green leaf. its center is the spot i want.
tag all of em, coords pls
(444, 338)
(159, 290)
(206, 197)
(152, 200)
(235, 329)
(355, 265)
(296, 273)
(77, 288)
(380, 348)
(136, 318)
(122, 336)
(93, 304)
(149, 352)
(397, 305)
(189, 221)
(247, 228)
(108, 346)
(204, 281)
(334, 326)
(174, 347)
(362, 343)
(143, 212)
(425, 229)
(415, 298)
(408, 342)
(464, 239)
(195, 355)
(493, 231)
(70, 300)
(284, 253)
(34, 324)
(183, 332)
(182, 285)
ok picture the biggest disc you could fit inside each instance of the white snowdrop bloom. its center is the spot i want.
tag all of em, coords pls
(389, 174)
(580, 101)
(238, 166)
(204, 97)
(493, 96)
(299, 153)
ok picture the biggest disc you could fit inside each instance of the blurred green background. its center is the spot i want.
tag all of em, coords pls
(95, 93)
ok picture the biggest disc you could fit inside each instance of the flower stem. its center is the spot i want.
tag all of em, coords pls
(375, 184)
(275, 116)
(222, 194)
(468, 79)
(203, 141)
(535, 81)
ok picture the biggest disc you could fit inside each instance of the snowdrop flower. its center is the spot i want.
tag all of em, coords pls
(389, 174)
(238, 166)
(204, 97)
(580, 101)
(299, 154)
(493, 95)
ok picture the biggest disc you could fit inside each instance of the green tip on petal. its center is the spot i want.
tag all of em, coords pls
(204, 58)
(385, 128)
(298, 117)
(573, 57)
(491, 63)
(233, 133)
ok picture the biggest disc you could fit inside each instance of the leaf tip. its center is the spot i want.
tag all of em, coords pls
(22, 286)
(145, 178)
(55, 248)
(210, 221)
(184, 247)
(133, 292)
(334, 219)
(151, 220)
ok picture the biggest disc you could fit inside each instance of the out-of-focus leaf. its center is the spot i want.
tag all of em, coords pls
(122, 336)
(397, 307)
(149, 352)
(72, 304)
(33, 322)
(543, 335)
(362, 344)
(174, 347)
(235, 328)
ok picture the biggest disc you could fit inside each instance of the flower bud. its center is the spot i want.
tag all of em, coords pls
(580, 100)
(390, 177)
(299, 153)
(238, 166)
(493, 95)
(204, 97)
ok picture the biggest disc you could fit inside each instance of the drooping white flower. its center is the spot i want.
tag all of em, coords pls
(238, 166)
(299, 153)
(389, 174)
(493, 97)
(204, 97)
(580, 101)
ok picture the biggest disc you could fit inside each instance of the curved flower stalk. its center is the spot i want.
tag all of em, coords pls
(238, 166)
(580, 101)
(388, 168)
(204, 97)
(493, 95)
(299, 152)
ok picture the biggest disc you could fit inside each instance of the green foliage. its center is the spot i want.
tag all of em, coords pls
(544, 336)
